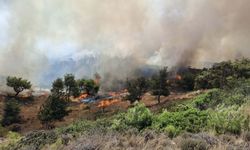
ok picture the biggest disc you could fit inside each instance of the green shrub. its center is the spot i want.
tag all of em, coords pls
(11, 139)
(138, 117)
(118, 123)
(226, 120)
(76, 128)
(193, 144)
(191, 120)
(171, 131)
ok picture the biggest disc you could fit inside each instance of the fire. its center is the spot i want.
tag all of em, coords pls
(178, 77)
(113, 94)
(82, 96)
(106, 103)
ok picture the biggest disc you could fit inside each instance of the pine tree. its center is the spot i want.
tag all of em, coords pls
(55, 108)
(11, 112)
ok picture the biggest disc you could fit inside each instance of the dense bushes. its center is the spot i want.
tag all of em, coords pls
(227, 120)
(191, 120)
(222, 74)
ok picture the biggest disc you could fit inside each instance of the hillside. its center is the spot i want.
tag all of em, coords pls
(200, 121)
(212, 114)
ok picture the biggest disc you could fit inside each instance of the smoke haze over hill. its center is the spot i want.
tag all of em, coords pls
(44, 39)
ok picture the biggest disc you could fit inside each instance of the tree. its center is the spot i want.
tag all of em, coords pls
(159, 84)
(54, 108)
(71, 85)
(81, 84)
(136, 88)
(91, 87)
(18, 84)
(58, 86)
(11, 112)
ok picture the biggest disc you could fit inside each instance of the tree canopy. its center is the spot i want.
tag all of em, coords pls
(18, 84)
(159, 84)
(136, 88)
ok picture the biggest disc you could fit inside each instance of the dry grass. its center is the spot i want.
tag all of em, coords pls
(125, 141)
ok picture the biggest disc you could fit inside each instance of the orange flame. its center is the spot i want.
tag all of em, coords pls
(178, 77)
(106, 103)
(82, 96)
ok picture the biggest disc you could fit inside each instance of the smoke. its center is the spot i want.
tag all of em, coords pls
(44, 39)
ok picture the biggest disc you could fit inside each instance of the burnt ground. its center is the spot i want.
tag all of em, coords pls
(77, 110)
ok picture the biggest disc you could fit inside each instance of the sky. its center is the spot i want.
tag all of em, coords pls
(43, 39)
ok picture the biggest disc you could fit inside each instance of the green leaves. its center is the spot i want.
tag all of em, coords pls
(138, 117)
(222, 74)
(53, 109)
(136, 88)
(18, 84)
(11, 112)
(191, 120)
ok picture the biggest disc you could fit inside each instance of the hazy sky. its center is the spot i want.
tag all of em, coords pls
(37, 34)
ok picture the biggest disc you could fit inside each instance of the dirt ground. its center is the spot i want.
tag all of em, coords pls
(79, 110)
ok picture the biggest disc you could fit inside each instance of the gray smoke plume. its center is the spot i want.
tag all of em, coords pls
(44, 39)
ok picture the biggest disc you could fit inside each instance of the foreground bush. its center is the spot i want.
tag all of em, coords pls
(228, 120)
(138, 117)
(191, 120)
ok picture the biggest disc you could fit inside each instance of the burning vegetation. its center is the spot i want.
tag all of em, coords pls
(165, 87)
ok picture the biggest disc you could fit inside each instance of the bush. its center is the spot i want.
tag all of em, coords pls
(138, 117)
(191, 120)
(226, 120)
(11, 112)
(76, 127)
(193, 144)
(171, 131)
(36, 140)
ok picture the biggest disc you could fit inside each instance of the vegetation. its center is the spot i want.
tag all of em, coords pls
(217, 119)
(222, 74)
(11, 112)
(159, 84)
(89, 86)
(18, 84)
(136, 88)
(71, 87)
(53, 109)
(58, 86)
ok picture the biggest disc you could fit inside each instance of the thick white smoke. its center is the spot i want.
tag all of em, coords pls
(43, 39)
